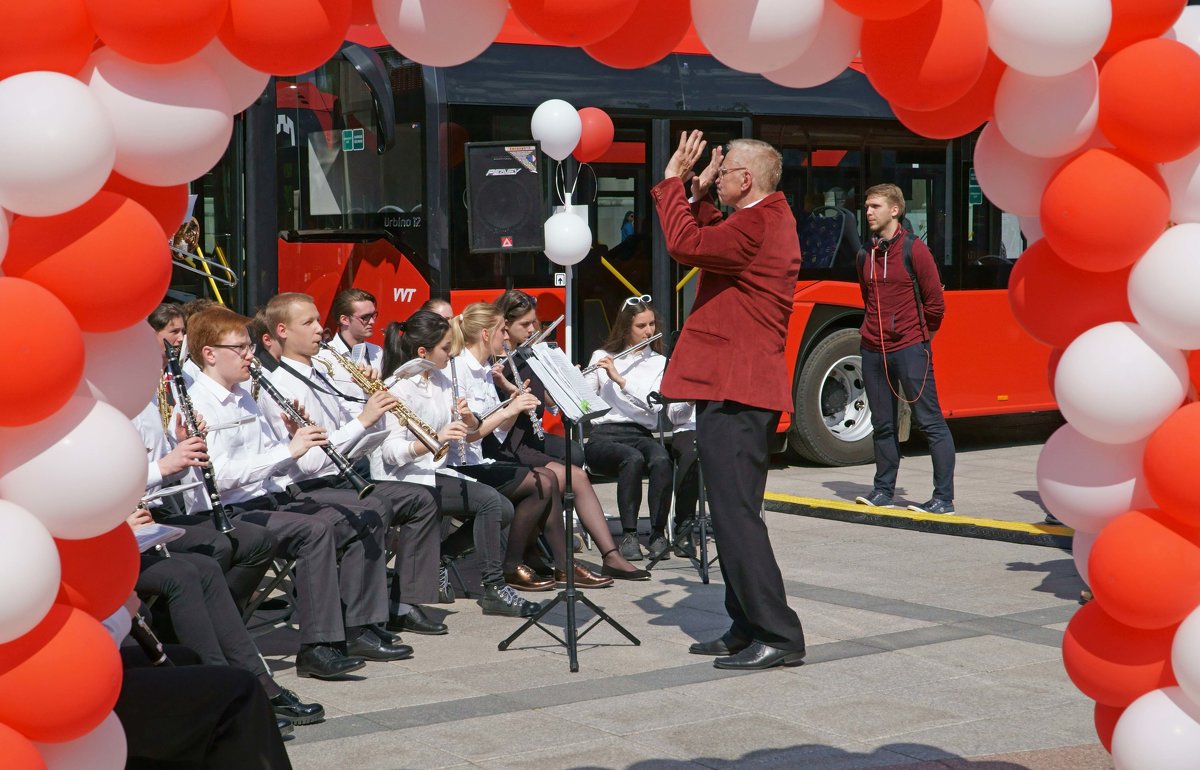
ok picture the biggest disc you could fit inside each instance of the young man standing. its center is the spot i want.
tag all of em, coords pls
(904, 308)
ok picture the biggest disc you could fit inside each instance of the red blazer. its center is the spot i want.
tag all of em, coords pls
(731, 347)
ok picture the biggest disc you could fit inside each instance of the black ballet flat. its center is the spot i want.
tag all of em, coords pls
(621, 574)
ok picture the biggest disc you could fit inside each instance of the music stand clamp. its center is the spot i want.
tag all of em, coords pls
(565, 391)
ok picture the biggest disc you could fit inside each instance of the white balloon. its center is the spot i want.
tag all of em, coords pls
(568, 238)
(100, 452)
(243, 84)
(440, 33)
(1081, 549)
(57, 145)
(29, 559)
(557, 126)
(1031, 228)
(1116, 383)
(5, 224)
(1086, 483)
(1159, 731)
(1048, 39)
(836, 44)
(121, 368)
(173, 121)
(1162, 288)
(1187, 28)
(1009, 178)
(1048, 116)
(1185, 655)
(1183, 182)
(757, 35)
(104, 748)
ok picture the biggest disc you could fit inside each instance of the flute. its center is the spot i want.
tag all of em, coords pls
(462, 443)
(625, 352)
(534, 339)
(533, 415)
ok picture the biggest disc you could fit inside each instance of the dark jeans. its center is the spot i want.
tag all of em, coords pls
(490, 514)
(911, 368)
(627, 450)
(687, 474)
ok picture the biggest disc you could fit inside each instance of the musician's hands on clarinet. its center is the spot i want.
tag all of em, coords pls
(305, 439)
(290, 425)
(139, 518)
(188, 453)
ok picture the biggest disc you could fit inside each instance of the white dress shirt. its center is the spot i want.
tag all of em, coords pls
(363, 353)
(432, 399)
(643, 372)
(476, 385)
(148, 423)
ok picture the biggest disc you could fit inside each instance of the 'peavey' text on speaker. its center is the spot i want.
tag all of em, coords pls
(505, 204)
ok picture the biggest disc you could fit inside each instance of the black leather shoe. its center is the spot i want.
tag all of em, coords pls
(416, 622)
(728, 644)
(322, 661)
(368, 646)
(284, 725)
(622, 574)
(287, 704)
(759, 656)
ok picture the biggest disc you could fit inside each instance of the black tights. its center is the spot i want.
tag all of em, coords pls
(538, 508)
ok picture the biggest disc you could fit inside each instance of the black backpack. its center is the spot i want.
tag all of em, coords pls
(907, 251)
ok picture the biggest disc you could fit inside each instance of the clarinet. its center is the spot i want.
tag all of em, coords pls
(361, 485)
(220, 517)
(533, 415)
(140, 632)
(462, 443)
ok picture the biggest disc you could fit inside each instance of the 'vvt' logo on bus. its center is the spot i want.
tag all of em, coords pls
(502, 171)
(403, 295)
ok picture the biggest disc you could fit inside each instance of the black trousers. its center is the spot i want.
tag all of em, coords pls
(490, 514)
(413, 514)
(912, 368)
(198, 716)
(627, 451)
(687, 474)
(733, 440)
(244, 554)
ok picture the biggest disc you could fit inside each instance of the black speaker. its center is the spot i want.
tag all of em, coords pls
(506, 205)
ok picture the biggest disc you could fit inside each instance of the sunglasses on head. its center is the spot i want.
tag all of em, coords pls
(644, 299)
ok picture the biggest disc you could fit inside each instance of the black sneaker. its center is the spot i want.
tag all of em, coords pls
(875, 500)
(658, 547)
(501, 599)
(934, 506)
(685, 543)
(630, 548)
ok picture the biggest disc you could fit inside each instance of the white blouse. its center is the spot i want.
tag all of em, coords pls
(643, 372)
(432, 399)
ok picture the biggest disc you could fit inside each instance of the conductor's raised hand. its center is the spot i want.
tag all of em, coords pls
(703, 182)
(305, 439)
(691, 147)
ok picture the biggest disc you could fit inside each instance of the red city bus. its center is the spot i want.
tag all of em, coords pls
(354, 175)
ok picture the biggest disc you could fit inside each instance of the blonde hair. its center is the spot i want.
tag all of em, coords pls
(279, 310)
(467, 327)
(890, 193)
(764, 161)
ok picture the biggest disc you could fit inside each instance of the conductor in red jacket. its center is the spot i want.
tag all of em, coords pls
(729, 360)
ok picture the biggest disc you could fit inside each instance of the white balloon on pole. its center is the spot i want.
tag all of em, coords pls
(568, 238)
(1048, 39)
(1081, 549)
(1183, 181)
(104, 748)
(556, 125)
(440, 33)
(1116, 383)
(29, 559)
(1086, 483)
(172, 121)
(1048, 117)
(1011, 179)
(1158, 731)
(757, 35)
(243, 84)
(1162, 287)
(57, 145)
(836, 44)
(122, 368)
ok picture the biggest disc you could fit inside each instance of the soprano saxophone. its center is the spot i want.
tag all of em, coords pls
(401, 411)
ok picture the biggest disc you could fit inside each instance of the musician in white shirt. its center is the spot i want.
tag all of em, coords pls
(352, 323)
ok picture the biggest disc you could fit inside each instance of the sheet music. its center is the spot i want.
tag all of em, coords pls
(570, 391)
(153, 534)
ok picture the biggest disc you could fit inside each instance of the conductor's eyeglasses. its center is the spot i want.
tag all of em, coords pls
(644, 299)
(722, 171)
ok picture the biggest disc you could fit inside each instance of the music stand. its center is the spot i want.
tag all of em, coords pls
(577, 405)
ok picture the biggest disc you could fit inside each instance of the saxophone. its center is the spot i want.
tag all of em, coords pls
(401, 411)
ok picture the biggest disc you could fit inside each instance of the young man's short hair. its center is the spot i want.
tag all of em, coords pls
(207, 327)
(343, 304)
(890, 193)
(279, 309)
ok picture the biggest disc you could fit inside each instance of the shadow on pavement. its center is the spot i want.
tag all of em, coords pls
(1061, 579)
(819, 757)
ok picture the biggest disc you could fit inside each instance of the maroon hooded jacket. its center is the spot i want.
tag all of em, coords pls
(891, 321)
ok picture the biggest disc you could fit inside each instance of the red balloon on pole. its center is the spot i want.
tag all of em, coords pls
(1171, 458)
(573, 22)
(51, 35)
(167, 204)
(285, 37)
(963, 116)
(1134, 20)
(157, 31)
(37, 379)
(597, 134)
(1141, 111)
(1113, 663)
(98, 573)
(652, 32)
(362, 12)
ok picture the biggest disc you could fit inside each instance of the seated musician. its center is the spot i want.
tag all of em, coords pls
(352, 320)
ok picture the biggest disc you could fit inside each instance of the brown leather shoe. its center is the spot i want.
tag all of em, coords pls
(525, 579)
(584, 578)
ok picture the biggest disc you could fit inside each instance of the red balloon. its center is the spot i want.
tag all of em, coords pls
(1056, 302)
(157, 31)
(1142, 112)
(1194, 368)
(106, 260)
(1145, 569)
(963, 116)
(1112, 663)
(596, 137)
(1106, 718)
(53, 35)
(1052, 365)
(929, 59)
(37, 378)
(362, 12)
(167, 204)
(60, 680)
(98, 573)
(18, 751)
(877, 9)
(573, 22)
(1134, 20)
(1101, 211)
(1169, 462)
(652, 32)
(285, 37)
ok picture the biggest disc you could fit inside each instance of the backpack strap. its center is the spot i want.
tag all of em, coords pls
(909, 239)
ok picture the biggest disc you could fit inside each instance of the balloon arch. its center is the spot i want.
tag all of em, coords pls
(109, 108)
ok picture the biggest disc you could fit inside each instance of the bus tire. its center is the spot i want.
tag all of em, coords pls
(832, 421)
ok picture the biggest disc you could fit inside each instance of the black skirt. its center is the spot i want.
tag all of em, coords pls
(504, 477)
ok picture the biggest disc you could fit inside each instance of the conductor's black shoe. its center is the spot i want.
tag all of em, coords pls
(875, 500)
(284, 725)
(416, 622)
(657, 547)
(759, 656)
(322, 661)
(287, 704)
(501, 599)
(369, 646)
(728, 644)
(933, 506)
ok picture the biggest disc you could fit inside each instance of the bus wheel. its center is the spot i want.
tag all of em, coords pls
(832, 423)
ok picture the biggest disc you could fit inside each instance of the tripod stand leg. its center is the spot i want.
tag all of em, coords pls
(608, 619)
